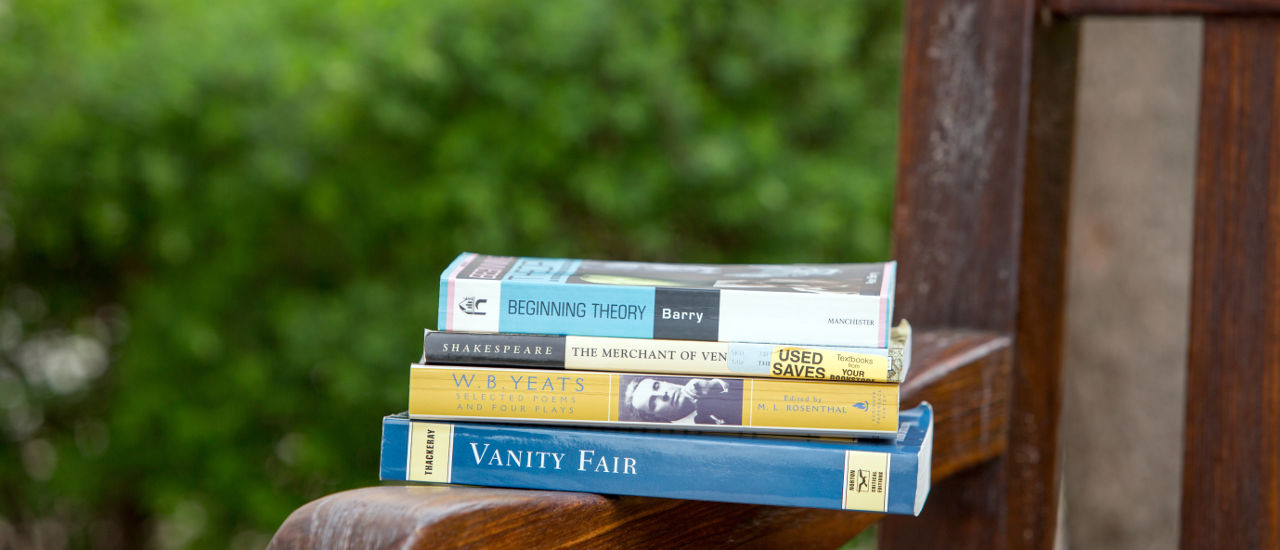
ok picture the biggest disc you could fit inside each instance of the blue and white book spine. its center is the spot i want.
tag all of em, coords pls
(848, 305)
(890, 476)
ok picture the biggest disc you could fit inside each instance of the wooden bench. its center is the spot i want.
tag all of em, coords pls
(980, 233)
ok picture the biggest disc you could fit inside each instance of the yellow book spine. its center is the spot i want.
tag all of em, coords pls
(653, 401)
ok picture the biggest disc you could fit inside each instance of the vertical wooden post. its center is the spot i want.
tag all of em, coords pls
(980, 226)
(1231, 472)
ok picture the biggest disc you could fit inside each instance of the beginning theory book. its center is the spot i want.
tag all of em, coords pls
(803, 304)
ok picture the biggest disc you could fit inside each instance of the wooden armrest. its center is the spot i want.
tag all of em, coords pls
(965, 374)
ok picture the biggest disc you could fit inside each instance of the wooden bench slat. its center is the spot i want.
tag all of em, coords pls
(1165, 7)
(1231, 471)
(965, 374)
(980, 223)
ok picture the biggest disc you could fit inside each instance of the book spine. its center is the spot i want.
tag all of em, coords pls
(512, 297)
(882, 365)
(731, 404)
(755, 470)
(493, 349)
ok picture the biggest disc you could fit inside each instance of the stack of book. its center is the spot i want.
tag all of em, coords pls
(762, 384)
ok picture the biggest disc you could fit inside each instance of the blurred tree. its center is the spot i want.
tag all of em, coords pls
(221, 223)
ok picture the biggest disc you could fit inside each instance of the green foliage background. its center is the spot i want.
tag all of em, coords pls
(222, 223)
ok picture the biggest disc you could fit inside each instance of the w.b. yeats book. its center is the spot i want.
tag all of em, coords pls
(698, 358)
(876, 476)
(642, 400)
(802, 304)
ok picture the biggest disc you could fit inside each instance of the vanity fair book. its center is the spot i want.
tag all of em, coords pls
(875, 476)
(642, 400)
(802, 304)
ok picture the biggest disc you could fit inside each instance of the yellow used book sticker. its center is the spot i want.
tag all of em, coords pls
(828, 364)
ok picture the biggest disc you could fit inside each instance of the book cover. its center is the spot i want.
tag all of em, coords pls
(804, 304)
(642, 400)
(875, 476)
(698, 358)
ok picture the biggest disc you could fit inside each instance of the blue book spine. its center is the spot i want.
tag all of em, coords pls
(815, 304)
(890, 476)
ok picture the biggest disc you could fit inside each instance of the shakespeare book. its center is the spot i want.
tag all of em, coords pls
(644, 400)
(692, 357)
(890, 475)
(847, 305)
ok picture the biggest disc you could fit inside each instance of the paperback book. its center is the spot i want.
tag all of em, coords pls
(643, 400)
(889, 475)
(692, 357)
(802, 304)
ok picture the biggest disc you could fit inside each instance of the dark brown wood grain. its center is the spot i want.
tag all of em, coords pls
(1231, 472)
(966, 504)
(1165, 7)
(438, 517)
(965, 374)
(961, 158)
(1031, 494)
(979, 234)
